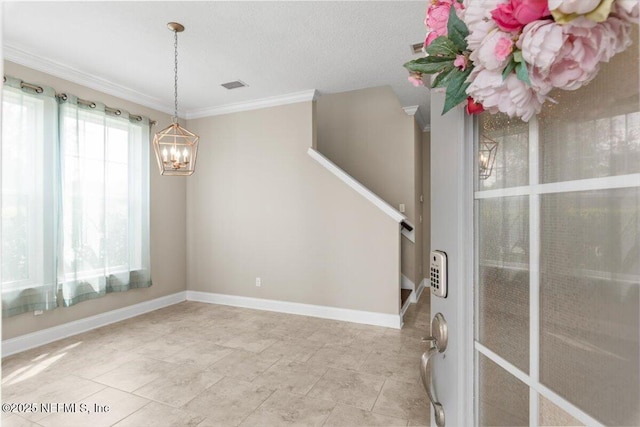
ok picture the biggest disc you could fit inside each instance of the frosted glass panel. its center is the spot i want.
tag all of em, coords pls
(551, 415)
(503, 288)
(595, 131)
(590, 275)
(510, 168)
(504, 400)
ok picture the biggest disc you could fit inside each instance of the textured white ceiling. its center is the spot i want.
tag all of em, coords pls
(275, 47)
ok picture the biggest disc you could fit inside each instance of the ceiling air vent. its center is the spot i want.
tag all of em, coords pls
(417, 47)
(234, 85)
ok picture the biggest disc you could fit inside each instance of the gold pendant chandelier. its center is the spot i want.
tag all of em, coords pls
(176, 148)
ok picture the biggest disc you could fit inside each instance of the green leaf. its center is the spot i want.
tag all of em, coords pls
(456, 90)
(517, 56)
(428, 67)
(522, 73)
(457, 30)
(442, 47)
(443, 79)
(508, 69)
(433, 58)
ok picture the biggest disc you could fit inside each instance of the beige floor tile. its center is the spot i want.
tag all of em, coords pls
(333, 336)
(242, 365)
(348, 416)
(403, 400)
(291, 376)
(164, 347)
(349, 387)
(401, 367)
(133, 375)
(177, 387)
(295, 330)
(339, 356)
(77, 358)
(201, 354)
(120, 405)
(295, 349)
(250, 341)
(289, 409)
(67, 389)
(228, 402)
(13, 420)
(120, 337)
(156, 414)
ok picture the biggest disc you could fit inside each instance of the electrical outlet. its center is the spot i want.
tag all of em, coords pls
(258, 282)
(402, 208)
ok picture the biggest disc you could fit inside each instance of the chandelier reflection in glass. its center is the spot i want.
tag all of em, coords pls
(176, 148)
(486, 157)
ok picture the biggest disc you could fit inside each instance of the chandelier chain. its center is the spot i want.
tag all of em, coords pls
(175, 81)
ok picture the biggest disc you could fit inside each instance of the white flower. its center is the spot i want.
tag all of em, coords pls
(511, 96)
(476, 15)
(485, 55)
(579, 7)
(481, 29)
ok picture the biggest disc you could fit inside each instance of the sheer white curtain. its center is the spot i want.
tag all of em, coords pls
(105, 201)
(29, 194)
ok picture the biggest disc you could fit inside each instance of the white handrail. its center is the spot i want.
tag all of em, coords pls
(358, 187)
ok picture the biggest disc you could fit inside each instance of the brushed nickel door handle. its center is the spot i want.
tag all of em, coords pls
(438, 409)
(438, 344)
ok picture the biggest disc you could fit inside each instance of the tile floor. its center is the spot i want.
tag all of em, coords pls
(195, 364)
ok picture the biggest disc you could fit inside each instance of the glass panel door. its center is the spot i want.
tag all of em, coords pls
(557, 252)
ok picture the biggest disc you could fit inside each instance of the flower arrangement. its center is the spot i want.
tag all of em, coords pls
(507, 55)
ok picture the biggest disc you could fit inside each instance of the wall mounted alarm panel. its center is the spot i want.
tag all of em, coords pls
(438, 273)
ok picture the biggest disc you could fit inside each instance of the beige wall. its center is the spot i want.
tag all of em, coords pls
(419, 215)
(168, 213)
(367, 133)
(260, 206)
(426, 205)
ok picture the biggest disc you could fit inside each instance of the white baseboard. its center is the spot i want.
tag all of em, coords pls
(55, 333)
(421, 288)
(325, 312)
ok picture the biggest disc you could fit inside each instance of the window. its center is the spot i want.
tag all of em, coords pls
(104, 202)
(75, 203)
(28, 203)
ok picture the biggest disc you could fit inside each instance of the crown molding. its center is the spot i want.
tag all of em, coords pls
(414, 110)
(272, 101)
(45, 65)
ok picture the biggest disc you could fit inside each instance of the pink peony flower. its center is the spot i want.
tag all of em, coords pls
(503, 48)
(486, 55)
(477, 16)
(540, 43)
(461, 62)
(627, 10)
(505, 19)
(526, 11)
(514, 14)
(438, 17)
(416, 80)
(511, 96)
(568, 56)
